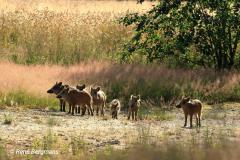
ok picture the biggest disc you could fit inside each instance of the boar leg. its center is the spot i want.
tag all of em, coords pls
(97, 110)
(64, 106)
(185, 123)
(79, 109)
(113, 115)
(70, 106)
(132, 115)
(61, 103)
(83, 110)
(199, 119)
(136, 115)
(191, 120)
(196, 120)
(129, 113)
(102, 109)
(90, 108)
(73, 108)
(76, 109)
(88, 111)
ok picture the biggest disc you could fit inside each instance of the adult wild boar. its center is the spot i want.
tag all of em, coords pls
(191, 107)
(76, 97)
(56, 89)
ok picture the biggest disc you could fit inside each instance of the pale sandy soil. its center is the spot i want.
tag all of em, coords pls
(30, 125)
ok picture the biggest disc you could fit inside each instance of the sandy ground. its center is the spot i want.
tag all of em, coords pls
(28, 125)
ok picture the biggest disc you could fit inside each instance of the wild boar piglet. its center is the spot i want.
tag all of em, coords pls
(115, 107)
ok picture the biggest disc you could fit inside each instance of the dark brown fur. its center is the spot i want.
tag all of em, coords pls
(75, 97)
(56, 89)
(81, 87)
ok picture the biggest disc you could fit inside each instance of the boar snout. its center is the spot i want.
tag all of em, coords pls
(178, 106)
(49, 91)
(59, 96)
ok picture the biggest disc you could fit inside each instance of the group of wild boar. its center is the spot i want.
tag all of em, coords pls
(82, 99)
(90, 99)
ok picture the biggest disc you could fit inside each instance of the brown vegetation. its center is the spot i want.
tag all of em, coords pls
(206, 82)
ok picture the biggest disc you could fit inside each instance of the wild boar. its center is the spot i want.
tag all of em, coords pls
(133, 106)
(191, 107)
(115, 107)
(75, 97)
(99, 99)
(56, 89)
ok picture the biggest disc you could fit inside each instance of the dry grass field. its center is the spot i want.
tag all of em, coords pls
(63, 32)
(30, 117)
(200, 83)
(78, 42)
(77, 6)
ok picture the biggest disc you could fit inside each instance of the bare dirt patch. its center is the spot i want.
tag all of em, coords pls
(29, 125)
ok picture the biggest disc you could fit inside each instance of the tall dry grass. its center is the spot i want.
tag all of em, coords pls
(155, 83)
(63, 32)
(77, 6)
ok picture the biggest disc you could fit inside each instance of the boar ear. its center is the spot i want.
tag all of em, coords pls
(60, 83)
(61, 87)
(84, 86)
(98, 88)
(67, 90)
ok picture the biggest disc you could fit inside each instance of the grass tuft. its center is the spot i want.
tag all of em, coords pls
(7, 119)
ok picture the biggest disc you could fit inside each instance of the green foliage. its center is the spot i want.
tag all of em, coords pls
(174, 28)
(23, 98)
(157, 93)
(152, 92)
